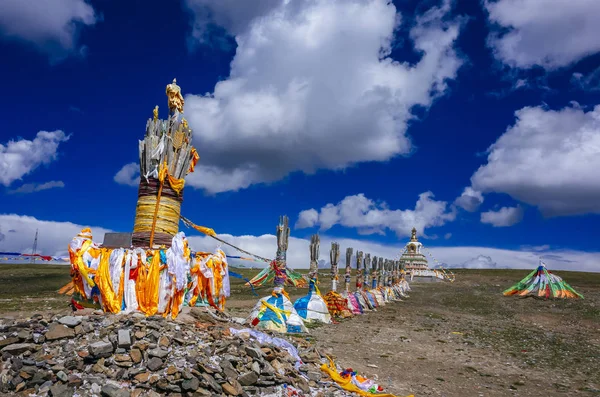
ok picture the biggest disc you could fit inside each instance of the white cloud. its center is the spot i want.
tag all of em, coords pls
(54, 238)
(51, 25)
(370, 217)
(307, 218)
(504, 217)
(20, 157)
(308, 76)
(550, 33)
(469, 200)
(589, 82)
(478, 262)
(128, 175)
(548, 158)
(37, 187)
(447, 236)
(233, 15)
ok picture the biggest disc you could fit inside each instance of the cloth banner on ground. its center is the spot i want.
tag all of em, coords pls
(350, 381)
(337, 305)
(312, 307)
(543, 283)
(276, 313)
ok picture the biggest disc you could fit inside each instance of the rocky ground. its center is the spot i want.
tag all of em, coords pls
(92, 354)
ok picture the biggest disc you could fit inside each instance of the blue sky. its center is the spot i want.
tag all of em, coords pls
(357, 104)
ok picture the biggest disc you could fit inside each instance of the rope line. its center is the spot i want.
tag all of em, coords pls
(192, 225)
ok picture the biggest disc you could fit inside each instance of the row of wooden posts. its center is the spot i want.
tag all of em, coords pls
(371, 272)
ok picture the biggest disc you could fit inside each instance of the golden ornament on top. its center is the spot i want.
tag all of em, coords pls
(174, 96)
(155, 113)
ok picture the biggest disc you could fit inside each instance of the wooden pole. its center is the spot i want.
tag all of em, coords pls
(314, 257)
(372, 273)
(359, 270)
(348, 273)
(367, 272)
(283, 234)
(160, 188)
(334, 257)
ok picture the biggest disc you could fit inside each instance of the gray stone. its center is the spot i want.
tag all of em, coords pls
(61, 390)
(114, 391)
(190, 384)
(24, 336)
(157, 352)
(154, 364)
(254, 352)
(212, 383)
(62, 376)
(303, 385)
(314, 376)
(268, 369)
(8, 341)
(39, 378)
(18, 348)
(124, 339)
(100, 349)
(70, 321)
(256, 367)
(248, 379)
(59, 331)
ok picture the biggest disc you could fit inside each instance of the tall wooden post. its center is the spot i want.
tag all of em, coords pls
(166, 156)
(334, 257)
(348, 272)
(380, 272)
(359, 270)
(283, 235)
(367, 272)
(386, 272)
(373, 275)
(314, 257)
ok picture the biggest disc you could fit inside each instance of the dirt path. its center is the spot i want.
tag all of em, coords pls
(423, 347)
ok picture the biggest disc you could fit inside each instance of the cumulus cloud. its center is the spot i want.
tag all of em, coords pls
(128, 175)
(469, 200)
(504, 217)
(307, 218)
(589, 82)
(233, 15)
(478, 262)
(51, 25)
(20, 157)
(37, 187)
(285, 110)
(54, 238)
(549, 159)
(370, 217)
(550, 34)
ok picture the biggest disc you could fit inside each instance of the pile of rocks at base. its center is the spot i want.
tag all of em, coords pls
(95, 354)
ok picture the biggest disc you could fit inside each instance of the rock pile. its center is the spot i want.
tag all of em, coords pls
(94, 354)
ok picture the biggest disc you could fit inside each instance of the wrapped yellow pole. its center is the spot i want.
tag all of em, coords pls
(166, 157)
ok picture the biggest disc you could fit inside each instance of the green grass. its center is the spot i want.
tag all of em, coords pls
(31, 287)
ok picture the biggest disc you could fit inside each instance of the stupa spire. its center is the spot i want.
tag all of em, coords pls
(413, 236)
